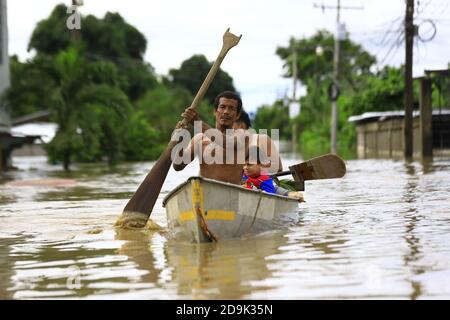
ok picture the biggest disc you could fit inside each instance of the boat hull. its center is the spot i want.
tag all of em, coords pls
(203, 210)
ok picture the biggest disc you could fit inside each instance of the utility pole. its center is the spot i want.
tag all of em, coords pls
(408, 95)
(336, 62)
(294, 88)
(334, 106)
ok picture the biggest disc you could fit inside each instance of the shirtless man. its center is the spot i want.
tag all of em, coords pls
(227, 108)
(227, 118)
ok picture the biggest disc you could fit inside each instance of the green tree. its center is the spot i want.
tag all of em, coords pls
(68, 80)
(383, 91)
(314, 120)
(315, 72)
(51, 35)
(143, 141)
(355, 60)
(441, 90)
(275, 116)
(111, 37)
(103, 96)
(108, 109)
(108, 39)
(30, 86)
(90, 115)
(193, 71)
(162, 108)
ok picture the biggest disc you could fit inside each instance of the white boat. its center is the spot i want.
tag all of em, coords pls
(204, 210)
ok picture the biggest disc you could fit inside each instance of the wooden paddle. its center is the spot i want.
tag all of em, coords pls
(141, 203)
(328, 166)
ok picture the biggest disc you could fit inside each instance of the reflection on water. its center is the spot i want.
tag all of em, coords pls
(224, 270)
(383, 231)
(412, 217)
(80, 193)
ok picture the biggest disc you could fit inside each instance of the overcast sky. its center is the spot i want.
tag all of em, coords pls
(177, 29)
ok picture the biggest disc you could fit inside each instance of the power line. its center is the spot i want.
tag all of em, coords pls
(388, 40)
(425, 31)
(395, 45)
(424, 7)
(389, 32)
(379, 28)
(323, 7)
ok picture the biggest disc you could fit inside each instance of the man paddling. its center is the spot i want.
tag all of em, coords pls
(229, 157)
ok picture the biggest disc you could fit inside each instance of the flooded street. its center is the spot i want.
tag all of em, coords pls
(383, 231)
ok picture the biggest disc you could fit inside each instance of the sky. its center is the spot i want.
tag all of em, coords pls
(177, 29)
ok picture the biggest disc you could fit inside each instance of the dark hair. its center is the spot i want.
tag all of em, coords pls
(229, 95)
(245, 119)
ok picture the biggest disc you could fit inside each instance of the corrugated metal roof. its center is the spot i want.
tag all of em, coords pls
(380, 116)
(46, 130)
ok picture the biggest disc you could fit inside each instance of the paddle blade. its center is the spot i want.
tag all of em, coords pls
(328, 166)
(147, 193)
(230, 40)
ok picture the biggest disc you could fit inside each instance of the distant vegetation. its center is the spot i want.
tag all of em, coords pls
(106, 100)
(362, 89)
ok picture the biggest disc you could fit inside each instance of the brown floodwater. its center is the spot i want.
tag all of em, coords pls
(381, 232)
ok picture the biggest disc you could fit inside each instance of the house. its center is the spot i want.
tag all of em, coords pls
(35, 125)
(380, 134)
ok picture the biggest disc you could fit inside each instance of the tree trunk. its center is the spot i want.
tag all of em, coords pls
(66, 160)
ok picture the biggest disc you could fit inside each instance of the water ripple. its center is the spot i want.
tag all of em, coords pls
(381, 232)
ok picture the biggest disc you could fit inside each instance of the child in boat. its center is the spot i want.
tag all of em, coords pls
(254, 176)
(255, 180)
(243, 122)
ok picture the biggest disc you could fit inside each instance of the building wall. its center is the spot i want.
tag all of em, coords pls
(384, 139)
(29, 150)
(441, 132)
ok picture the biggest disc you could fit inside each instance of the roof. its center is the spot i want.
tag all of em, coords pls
(381, 116)
(441, 72)
(46, 130)
(42, 115)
